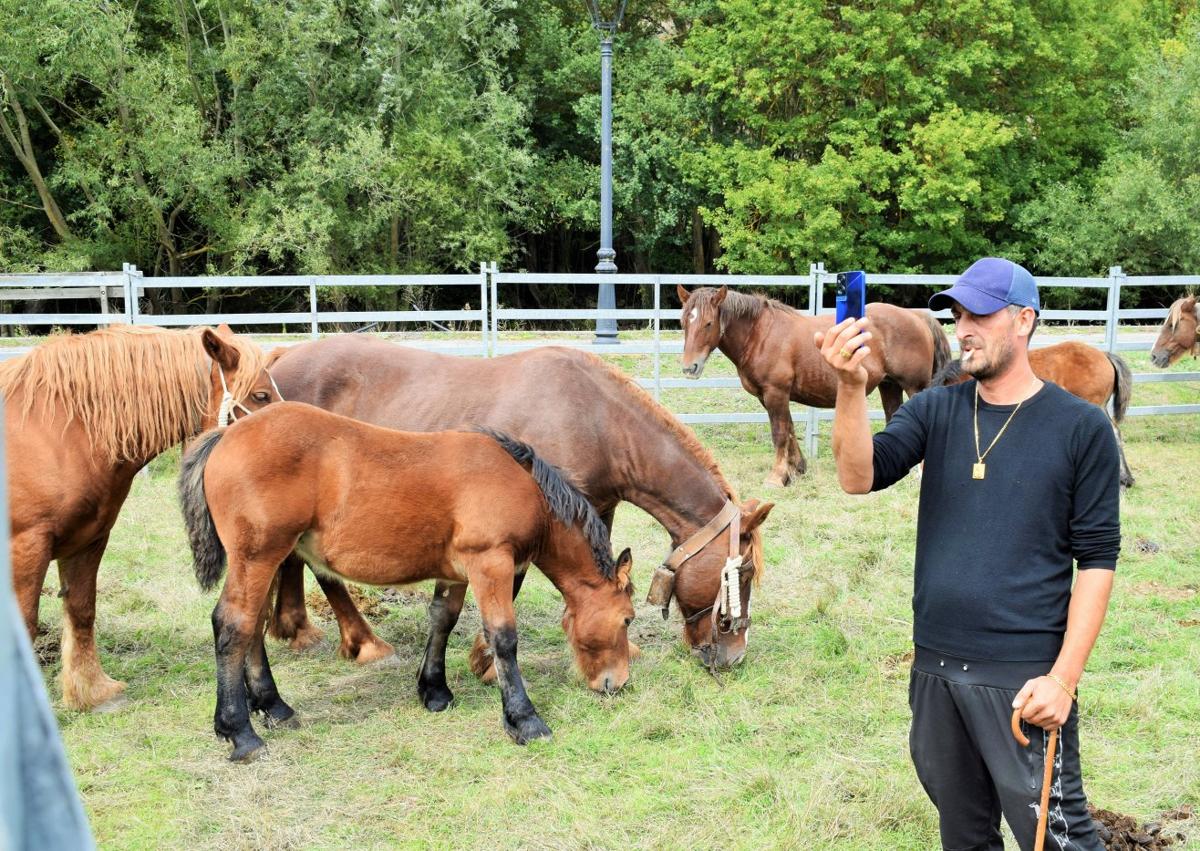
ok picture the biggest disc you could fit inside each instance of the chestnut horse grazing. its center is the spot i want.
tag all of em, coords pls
(388, 507)
(84, 413)
(587, 418)
(1180, 333)
(1087, 372)
(771, 344)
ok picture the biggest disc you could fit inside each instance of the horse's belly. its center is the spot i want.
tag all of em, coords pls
(371, 566)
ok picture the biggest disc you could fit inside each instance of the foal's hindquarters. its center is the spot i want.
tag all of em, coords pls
(385, 508)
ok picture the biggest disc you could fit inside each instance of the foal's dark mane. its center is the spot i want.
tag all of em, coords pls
(566, 501)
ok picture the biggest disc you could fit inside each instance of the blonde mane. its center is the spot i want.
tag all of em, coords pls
(1176, 311)
(136, 391)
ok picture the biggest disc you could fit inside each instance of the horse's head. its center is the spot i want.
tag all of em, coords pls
(596, 621)
(1180, 333)
(239, 382)
(702, 327)
(716, 626)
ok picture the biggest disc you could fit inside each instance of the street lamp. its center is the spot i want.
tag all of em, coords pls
(606, 24)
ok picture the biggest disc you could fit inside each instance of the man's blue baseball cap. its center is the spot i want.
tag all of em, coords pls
(990, 284)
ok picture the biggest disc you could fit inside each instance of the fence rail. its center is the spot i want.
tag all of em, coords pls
(119, 299)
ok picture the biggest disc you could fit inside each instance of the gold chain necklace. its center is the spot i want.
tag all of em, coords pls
(979, 469)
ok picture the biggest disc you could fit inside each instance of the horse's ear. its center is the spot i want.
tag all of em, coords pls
(220, 350)
(225, 331)
(275, 354)
(624, 567)
(683, 294)
(754, 513)
(720, 296)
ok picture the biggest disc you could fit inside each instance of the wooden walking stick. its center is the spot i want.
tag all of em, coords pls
(1047, 776)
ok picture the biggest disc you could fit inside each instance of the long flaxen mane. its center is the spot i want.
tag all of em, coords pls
(136, 391)
(686, 439)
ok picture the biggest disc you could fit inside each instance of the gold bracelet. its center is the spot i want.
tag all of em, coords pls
(1063, 685)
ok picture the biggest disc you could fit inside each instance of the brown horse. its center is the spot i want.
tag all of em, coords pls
(1085, 371)
(85, 413)
(388, 507)
(588, 418)
(771, 344)
(1180, 333)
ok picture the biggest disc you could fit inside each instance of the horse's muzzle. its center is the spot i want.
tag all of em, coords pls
(1159, 357)
(693, 370)
(718, 655)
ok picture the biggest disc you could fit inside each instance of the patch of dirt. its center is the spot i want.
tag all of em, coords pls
(369, 603)
(898, 662)
(1190, 622)
(1122, 833)
(1146, 547)
(1165, 592)
(48, 646)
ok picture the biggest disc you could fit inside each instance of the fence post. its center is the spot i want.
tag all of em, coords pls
(816, 291)
(314, 330)
(132, 280)
(657, 338)
(495, 271)
(1116, 276)
(483, 306)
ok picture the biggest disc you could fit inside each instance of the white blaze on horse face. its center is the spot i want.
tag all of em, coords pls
(694, 314)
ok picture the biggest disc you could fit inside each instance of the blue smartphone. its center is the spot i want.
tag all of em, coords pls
(851, 295)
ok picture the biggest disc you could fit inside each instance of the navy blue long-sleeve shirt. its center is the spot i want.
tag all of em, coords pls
(994, 556)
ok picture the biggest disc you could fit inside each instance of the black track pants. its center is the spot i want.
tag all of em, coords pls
(973, 769)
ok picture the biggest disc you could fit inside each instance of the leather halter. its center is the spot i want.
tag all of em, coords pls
(728, 611)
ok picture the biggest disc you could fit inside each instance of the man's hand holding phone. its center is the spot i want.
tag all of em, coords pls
(844, 347)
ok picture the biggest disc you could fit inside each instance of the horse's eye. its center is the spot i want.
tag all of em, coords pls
(628, 620)
(261, 396)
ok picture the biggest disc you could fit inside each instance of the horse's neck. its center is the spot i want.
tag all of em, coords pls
(563, 550)
(738, 336)
(668, 481)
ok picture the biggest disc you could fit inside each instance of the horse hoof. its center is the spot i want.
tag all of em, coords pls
(375, 651)
(113, 704)
(306, 636)
(527, 729)
(249, 748)
(281, 717)
(392, 661)
(774, 482)
(436, 698)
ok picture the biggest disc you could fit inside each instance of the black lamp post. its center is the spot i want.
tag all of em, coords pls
(606, 24)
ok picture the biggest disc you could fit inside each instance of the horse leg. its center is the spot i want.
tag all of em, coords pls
(892, 397)
(260, 683)
(444, 609)
(359, 642)
(235, 620)
(480, 659)
(84, 683)
(788, 460)
(491, 576)
(1126, 473)
(30, 553)
(289, 620)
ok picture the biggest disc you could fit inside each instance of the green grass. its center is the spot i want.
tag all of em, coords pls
(802, 746)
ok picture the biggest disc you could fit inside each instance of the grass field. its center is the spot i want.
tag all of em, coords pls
(802, 746)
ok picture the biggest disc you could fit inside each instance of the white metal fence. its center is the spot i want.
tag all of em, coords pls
(491, 316)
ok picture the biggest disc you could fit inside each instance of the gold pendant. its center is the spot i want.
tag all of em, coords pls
(978, 470)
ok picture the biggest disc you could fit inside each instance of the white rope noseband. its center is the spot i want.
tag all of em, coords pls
(225, 415)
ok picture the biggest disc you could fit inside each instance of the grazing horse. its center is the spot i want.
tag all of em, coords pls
(1082, 370)
(387, 508)
(84, 413)
(771, 344)
(587, 418)
(1180, 333)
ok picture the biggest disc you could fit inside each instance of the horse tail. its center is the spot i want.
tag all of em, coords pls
(942, 356)
(950, 373)
(1122, 385)
(567, 503)
(208, 553)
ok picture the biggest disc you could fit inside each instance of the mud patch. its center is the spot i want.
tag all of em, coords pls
(1123, 833)
(370, 602)
(897, 662)
(48, 646)
(1146, 547)
(1165, 592)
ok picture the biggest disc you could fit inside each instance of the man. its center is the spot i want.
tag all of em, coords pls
(1020, 479)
